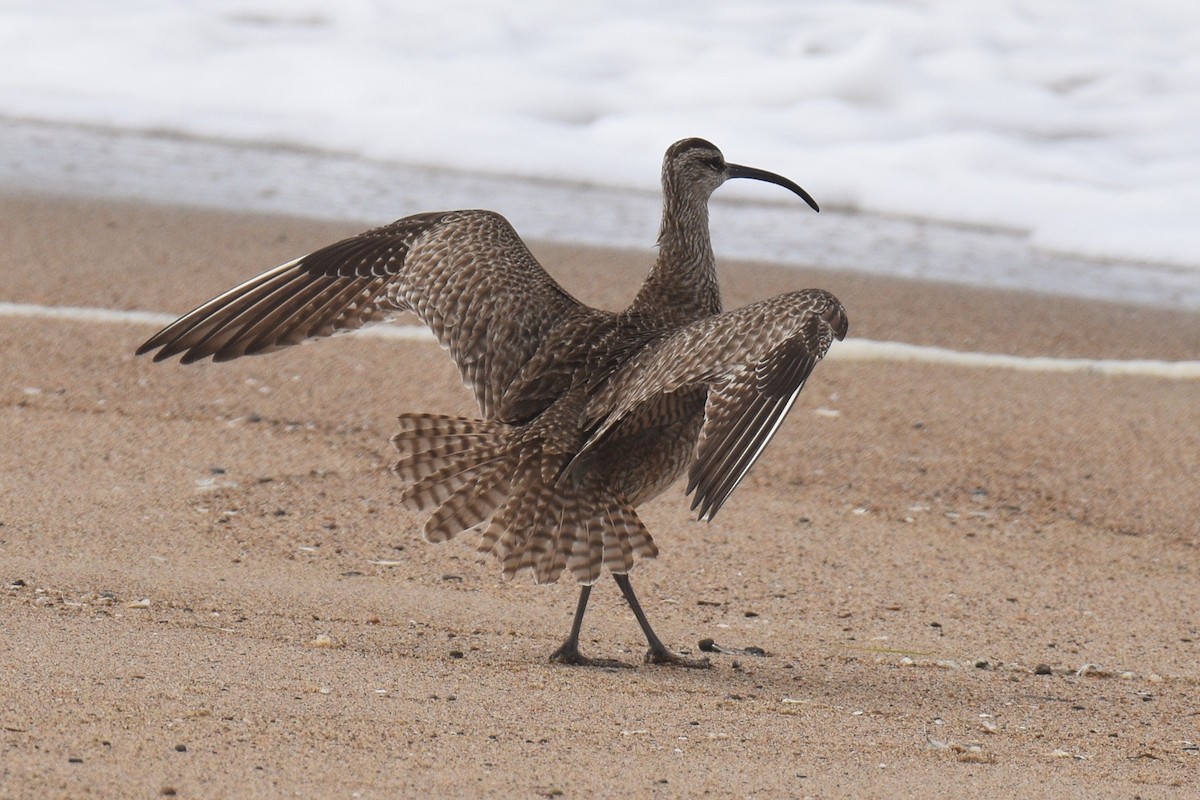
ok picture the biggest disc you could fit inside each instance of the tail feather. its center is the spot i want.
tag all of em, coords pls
(452, 464)
(468, 507)
(420, 433)
(587, 552)
(438, 487)
(551, 563)
(618, 553)
(629, 539)
(492, 541)
(419, 466)
(539, 538)
(636, 534)
(509, 531)
(479, 474)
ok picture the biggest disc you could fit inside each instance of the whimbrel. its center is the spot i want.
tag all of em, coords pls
(585, 414)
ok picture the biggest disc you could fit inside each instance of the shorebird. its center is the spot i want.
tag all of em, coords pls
(585, 414)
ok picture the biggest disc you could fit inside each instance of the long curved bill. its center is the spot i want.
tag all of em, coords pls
(739, 171)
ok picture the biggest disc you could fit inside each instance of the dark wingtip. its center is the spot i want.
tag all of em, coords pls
(709, 509)
(191, 356)
(162, 354)
(840, 321)
(153, 343)
(704, 500)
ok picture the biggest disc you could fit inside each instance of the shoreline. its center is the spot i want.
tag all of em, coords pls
(162, 168)
(213, 557)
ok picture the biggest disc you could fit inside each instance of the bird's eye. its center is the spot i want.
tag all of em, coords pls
(716, 162)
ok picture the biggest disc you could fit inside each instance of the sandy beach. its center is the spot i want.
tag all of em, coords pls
(969, 582)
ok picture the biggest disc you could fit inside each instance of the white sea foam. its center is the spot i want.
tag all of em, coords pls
(1075, 122)
(849, 350)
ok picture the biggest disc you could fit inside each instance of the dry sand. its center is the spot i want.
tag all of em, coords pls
(209, 590)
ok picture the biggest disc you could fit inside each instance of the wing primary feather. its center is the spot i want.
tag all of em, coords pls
(313, 274)
(716, 467)
(299, 312)
(199, 313)
(257, 334)
(212, 331)
(750, 454)
(726, 458)
(733, 427)
(197, 323)
(233, 324)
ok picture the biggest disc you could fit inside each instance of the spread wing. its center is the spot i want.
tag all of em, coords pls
(753, 361)
(466, 274)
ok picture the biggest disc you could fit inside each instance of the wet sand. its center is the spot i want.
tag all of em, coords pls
(208, 588)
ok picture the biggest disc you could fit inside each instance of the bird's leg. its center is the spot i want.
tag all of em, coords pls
(568, 652)
(658, 652)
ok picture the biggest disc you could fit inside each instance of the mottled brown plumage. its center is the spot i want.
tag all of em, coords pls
(586, 413)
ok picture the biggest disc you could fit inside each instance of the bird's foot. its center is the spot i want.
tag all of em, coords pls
(661, 655)
(569, 654)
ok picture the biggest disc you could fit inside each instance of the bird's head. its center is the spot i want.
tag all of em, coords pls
(697, 166)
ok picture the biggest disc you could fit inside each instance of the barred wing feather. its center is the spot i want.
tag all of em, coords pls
(753, 361)
(466, 274)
